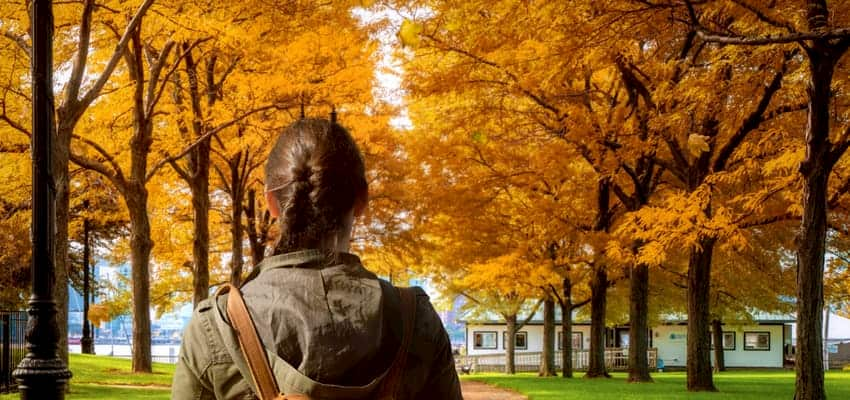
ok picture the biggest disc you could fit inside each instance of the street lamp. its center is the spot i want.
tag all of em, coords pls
(42, 374)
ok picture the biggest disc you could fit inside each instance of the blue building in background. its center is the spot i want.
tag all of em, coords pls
(167, 329)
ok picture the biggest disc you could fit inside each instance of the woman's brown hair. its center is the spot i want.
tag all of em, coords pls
(316, 175)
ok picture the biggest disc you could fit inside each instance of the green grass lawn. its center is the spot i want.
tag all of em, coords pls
(738, 385)
(100, 377)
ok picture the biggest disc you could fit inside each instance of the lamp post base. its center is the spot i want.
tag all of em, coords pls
(41, 378)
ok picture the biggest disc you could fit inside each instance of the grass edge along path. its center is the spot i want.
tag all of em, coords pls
(103, 377)
(735, 384)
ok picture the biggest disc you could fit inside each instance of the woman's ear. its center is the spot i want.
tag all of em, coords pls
(271, 202)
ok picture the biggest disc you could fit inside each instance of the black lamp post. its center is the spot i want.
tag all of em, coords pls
(86, 343)
(42, 374)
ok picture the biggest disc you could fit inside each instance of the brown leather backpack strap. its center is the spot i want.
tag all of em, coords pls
(391, 382)
(249, 342)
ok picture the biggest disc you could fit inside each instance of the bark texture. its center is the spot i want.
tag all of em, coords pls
(598, 302)
(61, 154)
(811, 244)
(639, 324)
(815, 169)
(699, 285)
(717, 333)
(258, 228)
(567, 329)
(140, 250)
(547, 360)
(236, 233)
(510, 348)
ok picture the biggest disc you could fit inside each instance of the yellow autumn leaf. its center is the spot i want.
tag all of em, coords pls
(98, 314)
(409, 33)
(697, 144)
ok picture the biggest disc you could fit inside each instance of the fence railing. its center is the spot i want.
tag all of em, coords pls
(615, 359)
(13, 326)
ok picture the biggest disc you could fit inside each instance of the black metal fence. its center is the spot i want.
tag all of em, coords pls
(13, 325)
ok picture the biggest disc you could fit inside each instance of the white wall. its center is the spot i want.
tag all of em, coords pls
(535, 338)
(671, 341)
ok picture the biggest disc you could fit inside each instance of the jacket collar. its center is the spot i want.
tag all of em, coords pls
(310, 258)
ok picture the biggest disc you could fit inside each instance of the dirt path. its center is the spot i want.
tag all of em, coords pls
(480, 391)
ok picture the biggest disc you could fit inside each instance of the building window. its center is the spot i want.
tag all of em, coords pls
(578, 340)
(728, 340)
(520, 342)
(757, 341)
(484, 340)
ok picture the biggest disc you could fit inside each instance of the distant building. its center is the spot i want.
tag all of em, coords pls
(766, 341)
(167, 329)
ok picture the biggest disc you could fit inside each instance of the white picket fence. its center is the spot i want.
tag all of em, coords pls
(616, 359)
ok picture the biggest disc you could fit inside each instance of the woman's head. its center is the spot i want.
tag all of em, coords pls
(315, 184)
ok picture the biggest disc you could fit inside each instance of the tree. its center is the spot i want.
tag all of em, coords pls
(823, 46)
(74, 100)
(147, 74)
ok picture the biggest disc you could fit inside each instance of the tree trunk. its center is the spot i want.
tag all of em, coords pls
(237, 194)
(510, 350)
(547, 359)
(140, 250)
(199, 170)
(639, 324)
(699, 284)
(136, 197)
(811, 242)
(567, 329)
(236, 234)
(598, 300)
(719, 357)
(197, 176)
(256, 232)
(61, 157)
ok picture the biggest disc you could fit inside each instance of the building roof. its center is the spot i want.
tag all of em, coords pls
(491, 318)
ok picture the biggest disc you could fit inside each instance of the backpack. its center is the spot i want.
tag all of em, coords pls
(255, 355)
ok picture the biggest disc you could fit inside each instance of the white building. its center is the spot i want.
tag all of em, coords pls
(763, 342)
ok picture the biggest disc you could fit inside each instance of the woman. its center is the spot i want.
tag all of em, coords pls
(330, 328)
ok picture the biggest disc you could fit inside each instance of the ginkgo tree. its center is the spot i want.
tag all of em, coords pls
(85, 84)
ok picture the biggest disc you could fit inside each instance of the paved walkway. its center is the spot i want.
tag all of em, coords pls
(479, 391)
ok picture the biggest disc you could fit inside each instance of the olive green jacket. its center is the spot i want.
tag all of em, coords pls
(330, 329)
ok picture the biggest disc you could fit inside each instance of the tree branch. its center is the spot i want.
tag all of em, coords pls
(20, 41)
(171, 71)
(755, 118)
(14, 148)
(714, 37)
(180, 171)
(169, 158)
(16, 126)
(840, 147)
(84, 38)
(764, 17)
(530, 315)
(103, 153)
(153, 80)
(94, 91)
(98, 167)
(580, 304)
(534, 97)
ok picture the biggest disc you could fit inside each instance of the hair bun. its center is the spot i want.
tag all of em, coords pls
(302, 173)
(320, 173)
